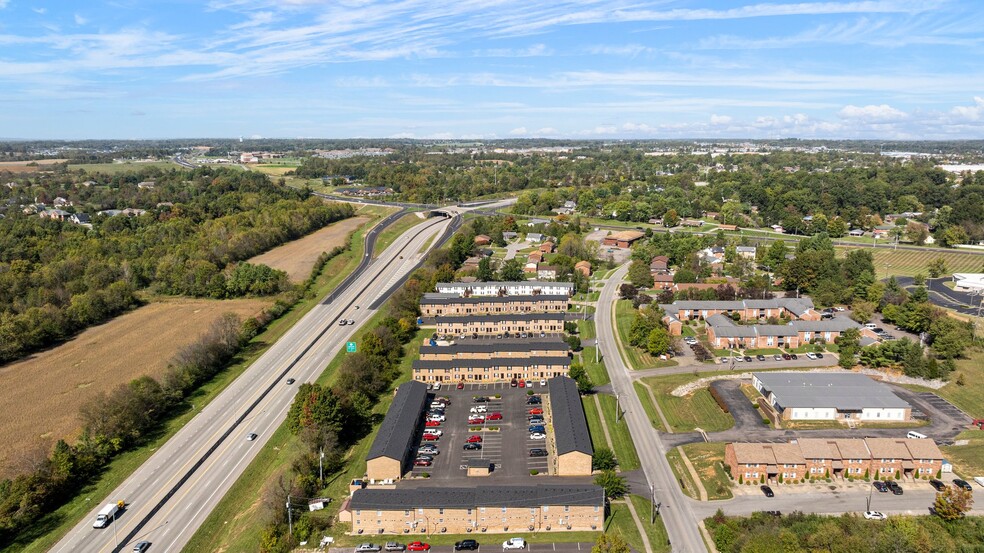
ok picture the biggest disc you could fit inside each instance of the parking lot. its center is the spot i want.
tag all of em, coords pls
(505, 443)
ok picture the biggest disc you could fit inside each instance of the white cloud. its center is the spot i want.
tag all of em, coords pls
(39, 11)
(546, 131)
(972, 113)
(720, 119)
(536, 50)
(519, 131)
(79, 20)
(883, 112)
(630, 50)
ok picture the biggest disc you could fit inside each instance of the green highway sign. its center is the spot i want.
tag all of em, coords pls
(350, 347)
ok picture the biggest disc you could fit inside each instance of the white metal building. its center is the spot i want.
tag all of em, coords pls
(830, 396)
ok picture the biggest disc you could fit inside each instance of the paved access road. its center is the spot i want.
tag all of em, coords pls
(677, 511)
(176, 489)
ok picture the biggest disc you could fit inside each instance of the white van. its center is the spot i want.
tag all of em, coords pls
(870, 326)
(915, 435)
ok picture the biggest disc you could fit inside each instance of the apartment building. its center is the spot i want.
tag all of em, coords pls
(442, 305)
(490, 370)
(389, 454)
(905, 458)
(513, 323)
(490, 509)
(747, 310)
(524, 288)
(574, 449)
(723, 333)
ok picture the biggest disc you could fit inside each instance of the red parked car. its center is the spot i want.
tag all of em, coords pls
(431, 437)
(476, 439)
(476, 420)
(494, 417)
(418, 546)
(421, 463)
(522, 383)
(461, 385)
(536, 411)
(432, 423)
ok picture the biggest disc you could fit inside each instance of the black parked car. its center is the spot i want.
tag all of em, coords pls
(896, 489)
(470, 545)
(480, 399)
(937, 485)
(880, 486)
(767, 491)
(537, 452)
(748, 358)
(470, 446)
(962, 484)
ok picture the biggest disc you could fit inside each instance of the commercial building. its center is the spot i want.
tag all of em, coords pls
(906, 458)
(530, 323)
(440, 305)
(390, 451)
(574, 450)
(524, 288)
(838, 396)
(968, 282)
(491, 509)
(623, 239)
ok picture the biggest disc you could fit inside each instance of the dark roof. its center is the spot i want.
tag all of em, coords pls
(442, 299)
(486, 363)
(570, 426)
(398, 429)
(502, 317)
(479, 345)
(478, 496)
(479, 463)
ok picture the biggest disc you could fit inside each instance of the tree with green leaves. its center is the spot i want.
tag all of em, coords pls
(511, 271)
(603, 459)
(937, 267)
(580, 376)
(485, 272)
(615, 486)
(953, 503)
(639, 275)
(658, 342)
(608, 542)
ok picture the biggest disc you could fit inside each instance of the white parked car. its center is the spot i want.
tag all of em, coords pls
(811, 355)
(874, 515)
(478, 409)
(434, 431)
(436, 418)
(514, 543)
(538, 436)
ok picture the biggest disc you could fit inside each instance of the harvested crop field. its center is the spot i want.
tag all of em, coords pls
(298, 256)
(28, 166)
(41, 395)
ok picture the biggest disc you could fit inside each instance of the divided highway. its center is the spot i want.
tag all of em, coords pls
(176, 489)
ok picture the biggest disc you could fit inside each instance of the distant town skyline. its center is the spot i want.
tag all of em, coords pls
(577, 69)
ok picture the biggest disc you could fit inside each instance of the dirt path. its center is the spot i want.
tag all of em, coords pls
(297, 257)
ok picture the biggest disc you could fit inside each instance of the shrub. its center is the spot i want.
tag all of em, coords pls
(741, 478)
(534, 472)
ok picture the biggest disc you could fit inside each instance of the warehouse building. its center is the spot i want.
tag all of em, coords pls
(441, 305)
(513, 323)
(623, 239)
(522, 288)
(574, 449)
(492, 509)
(838, 396)
(390, 451)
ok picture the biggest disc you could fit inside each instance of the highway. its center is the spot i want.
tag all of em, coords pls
(176, 489)
(676, 510)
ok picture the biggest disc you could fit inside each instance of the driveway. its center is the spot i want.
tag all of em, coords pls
(941, 296)
(745, 414)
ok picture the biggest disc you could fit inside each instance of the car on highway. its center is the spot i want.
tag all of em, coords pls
(418, 546)
(937, 485)
(894, 486)
(538, 436)
(495, 416)
(760, 357)
(469, 545)
(514, 543)
(351, 321)
(874, 515)
(536, 411)
(767, 491)
(394, 546)
(141, 546)
(538, 452)
(880, 486)
(429, 449)
(431, 424)
(472, 447)
(290, 381)
(474, 439)
(962, 484)
(342, 322)
(420, 463)
(251, 436)
(367, 548)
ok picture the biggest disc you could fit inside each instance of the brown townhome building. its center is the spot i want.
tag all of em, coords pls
(513, 323)
(440, 305)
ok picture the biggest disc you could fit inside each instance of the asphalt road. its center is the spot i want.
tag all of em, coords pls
(677, 511)
(176, 489)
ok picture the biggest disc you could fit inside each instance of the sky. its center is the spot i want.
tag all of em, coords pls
(485, 69)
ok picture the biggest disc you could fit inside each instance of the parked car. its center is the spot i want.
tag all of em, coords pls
(437, 385)
(367, 548)
(394, 546)
(543, 381)
(436, 418)
(474, 439)
(760, 357)
(476, 419)
(418, 546)
(738, 359)
(480, 399)
(880, 486)
(495, 416)
(478, 409)
(962, 484)
(767, 491)
(470, 447)
(777, 357)
(894, 486)
(462, 545)
(429, 449)
(937, 485)
(514, 543)
(435, 431)
(537, 429)
(840, 308)
(431, 437)
(538, 452)
(534, 400)
(725, 360)
(514, 383)
(424, 457)
(874, 515)
(811, 355)
(748, 358)
(438, 404)
(793, 356)
(431, 424)
(786, 356)
(461, 385)
(819, 356)
(522, 383)
(538, 436)
(420, 463)
(536, 411)
(538, 421)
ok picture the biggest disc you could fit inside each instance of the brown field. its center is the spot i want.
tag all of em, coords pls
(298, 256)
(41, 395)
(25, 167)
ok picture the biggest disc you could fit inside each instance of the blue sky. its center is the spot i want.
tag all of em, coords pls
(900, 69)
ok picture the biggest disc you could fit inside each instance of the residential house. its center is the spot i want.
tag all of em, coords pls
(856, 232)
(534, 222)
(55, 214)
(147, 184)
(623, 239)
(583, 267)
(545, 272)
(509, 235)
(764, 461)
(534, 237)
(659, 264)
(483, 240)
(748, 252)
(81, 219)
(547, 247)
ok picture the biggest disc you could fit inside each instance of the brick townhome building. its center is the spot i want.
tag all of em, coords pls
(537, 323)
(441, 305)
(516, 288)
(839, 458)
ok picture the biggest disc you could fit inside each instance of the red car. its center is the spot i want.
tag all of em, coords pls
(476, 420)
(418, 546)
(536, 411)
(421, 463)
(494, 417)
(476, 439)
(522, 383)
(431, 437)
(432, 423)
(461, 385)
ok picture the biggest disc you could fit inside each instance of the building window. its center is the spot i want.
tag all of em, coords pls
(406, 513)
(503, 510)
(358, 512)
(567, 508)
(440, 511)
(379, 513)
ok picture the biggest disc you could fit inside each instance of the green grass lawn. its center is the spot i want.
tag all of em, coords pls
(597, 372)
(52, 526)
(890, 262)
(707, 459)
(656, 532)
(762, 351)
(625, 450)
(687, 330)
(635, 358)
(969, 396)
(594, 422)
(586, 329)
(117, 168)
(684, 479)
(807, 348)
(647, 405)
(968, 460)
(394, 231)
(690, 412)
(621, 523)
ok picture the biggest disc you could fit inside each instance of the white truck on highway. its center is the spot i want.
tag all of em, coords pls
(107, 514)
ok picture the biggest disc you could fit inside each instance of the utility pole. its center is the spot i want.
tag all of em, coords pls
(618, 408)
(652, 504)
(597, 349)
(290, 520)
(321, 467)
